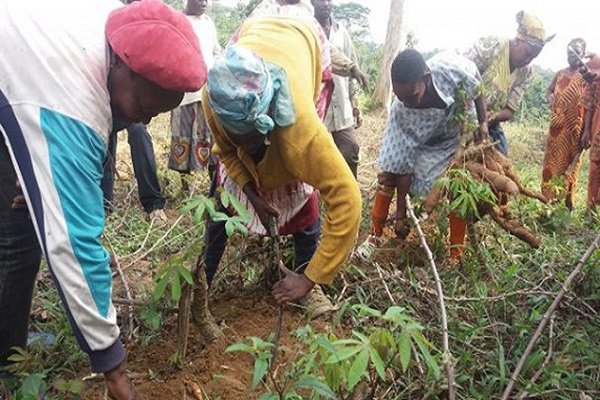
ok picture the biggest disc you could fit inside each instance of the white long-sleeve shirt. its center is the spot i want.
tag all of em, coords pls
(55, 117)
(205, 30)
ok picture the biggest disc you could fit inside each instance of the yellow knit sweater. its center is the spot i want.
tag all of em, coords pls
(304, 151)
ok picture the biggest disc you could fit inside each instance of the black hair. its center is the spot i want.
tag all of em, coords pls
(408, 67)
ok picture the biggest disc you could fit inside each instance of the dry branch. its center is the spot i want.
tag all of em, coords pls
(447, 358)
(125, 285)
(546, 362)
(275, 260)
(561, 293)
(183, 319)
(155, 245)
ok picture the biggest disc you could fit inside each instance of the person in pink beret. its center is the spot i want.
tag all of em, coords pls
(72, 71)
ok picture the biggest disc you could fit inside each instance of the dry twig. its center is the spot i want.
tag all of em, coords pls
(141, 303)
(561, 293)
(546, 362)
(387, 289)
(155, 245)
(276, 259)
(447, 358)
(183, 319)
(125, 285)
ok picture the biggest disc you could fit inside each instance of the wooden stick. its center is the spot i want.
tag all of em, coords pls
(387, 289)
(573, 165)
(141, 303)
(183, 319)
(539, 372)
(125, 285)
(561, 293)
(447, 358)
(276, 259)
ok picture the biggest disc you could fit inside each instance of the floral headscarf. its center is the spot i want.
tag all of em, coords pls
(248, 94)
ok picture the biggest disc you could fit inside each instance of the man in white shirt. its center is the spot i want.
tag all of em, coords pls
(343, 114)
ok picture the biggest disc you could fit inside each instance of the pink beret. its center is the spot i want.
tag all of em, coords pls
(158, 43)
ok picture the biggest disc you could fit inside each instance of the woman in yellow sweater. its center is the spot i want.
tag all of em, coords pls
(259, 102)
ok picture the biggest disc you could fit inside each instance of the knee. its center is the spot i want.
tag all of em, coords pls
(386, 181)
(137, 134)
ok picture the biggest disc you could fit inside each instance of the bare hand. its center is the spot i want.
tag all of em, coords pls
(292, 287)
(585, 140)
(18, 202)
(264, 210)
(357, 117)
(119, 386)
(360, 77)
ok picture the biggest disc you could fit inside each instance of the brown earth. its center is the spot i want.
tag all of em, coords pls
(219, 374)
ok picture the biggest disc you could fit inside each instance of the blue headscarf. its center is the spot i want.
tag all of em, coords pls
(248, 94)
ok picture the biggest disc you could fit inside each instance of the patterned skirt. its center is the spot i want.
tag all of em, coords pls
(297, 202)
(191, 141)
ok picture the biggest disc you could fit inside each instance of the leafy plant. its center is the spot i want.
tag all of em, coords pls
(328, 367)
(174, 272)
(466, 193)
(29, 366)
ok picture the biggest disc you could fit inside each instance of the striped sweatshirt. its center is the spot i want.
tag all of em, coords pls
(55, 117)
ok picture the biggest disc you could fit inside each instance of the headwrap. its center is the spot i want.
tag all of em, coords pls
(158, 43)
(248, 94)
(531, 29)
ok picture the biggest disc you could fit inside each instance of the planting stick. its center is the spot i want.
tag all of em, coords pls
(275, 260)
(125, 285)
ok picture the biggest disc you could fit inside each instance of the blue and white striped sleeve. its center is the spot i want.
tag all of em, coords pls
(59, 162)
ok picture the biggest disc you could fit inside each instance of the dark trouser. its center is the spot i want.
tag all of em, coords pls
(497, 135)
(20, 257)
(144, 168)
(305, 244)
(345, 140)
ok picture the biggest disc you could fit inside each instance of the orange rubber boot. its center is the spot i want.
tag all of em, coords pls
(458, 228)
(381, 208)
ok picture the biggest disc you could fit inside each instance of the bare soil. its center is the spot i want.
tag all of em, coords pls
(221, 375)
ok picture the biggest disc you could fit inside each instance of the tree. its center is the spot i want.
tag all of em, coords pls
(411, 40)
(227, 19)
(177, 4)
(354, 17)
(251, 6)
(534, 107)
(394, 40)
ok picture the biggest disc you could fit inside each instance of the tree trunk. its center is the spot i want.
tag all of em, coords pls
(394, 42)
